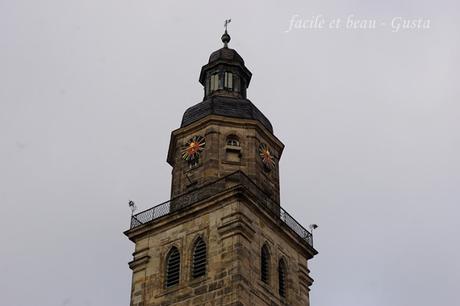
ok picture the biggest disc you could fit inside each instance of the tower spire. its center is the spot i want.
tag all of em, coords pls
(225, 36)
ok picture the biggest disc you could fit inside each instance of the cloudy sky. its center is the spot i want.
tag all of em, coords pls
(91, 89)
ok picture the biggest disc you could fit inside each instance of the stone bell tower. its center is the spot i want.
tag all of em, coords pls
(223, 237)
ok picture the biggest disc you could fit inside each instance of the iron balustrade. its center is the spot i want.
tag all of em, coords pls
(236, 179)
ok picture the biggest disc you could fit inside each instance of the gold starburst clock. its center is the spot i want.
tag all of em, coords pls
(267, 157)
(193, 148)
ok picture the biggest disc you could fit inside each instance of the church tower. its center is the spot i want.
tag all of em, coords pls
(223, 237)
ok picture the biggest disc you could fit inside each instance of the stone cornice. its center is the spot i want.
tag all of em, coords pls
(236, 224)
(238, 193)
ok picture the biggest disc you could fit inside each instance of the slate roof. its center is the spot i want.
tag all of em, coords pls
(226, 54)
(225, 106)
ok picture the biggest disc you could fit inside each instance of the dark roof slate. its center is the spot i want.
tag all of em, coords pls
(226, 54)
(225, 106)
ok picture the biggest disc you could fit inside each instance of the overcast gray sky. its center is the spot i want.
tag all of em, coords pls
(91, 89)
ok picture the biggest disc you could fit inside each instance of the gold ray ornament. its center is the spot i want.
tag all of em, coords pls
(193, 148)
(267, 157)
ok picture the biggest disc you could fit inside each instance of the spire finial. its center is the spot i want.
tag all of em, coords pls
(226, 37)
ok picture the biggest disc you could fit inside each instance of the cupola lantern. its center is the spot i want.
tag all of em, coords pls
(225, 74)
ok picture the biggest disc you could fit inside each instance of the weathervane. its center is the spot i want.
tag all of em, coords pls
(227, 21)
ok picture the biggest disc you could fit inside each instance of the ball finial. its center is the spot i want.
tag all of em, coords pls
(226, 38)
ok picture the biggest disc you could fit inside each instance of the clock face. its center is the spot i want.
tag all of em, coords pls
(267, 157)
(193, 148)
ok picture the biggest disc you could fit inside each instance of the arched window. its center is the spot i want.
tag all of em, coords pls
(172, 268)
(264, 264)
(282, 278)
(233, 141)
(199, 259)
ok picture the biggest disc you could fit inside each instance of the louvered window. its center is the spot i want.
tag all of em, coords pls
(264, 264)
(172, 267)
(199, 259)
(282, 278)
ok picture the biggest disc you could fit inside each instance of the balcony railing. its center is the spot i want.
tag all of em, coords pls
(236, 179)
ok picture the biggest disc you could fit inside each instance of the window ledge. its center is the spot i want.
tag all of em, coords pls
(233, 148)
(266, 287)
(270, 291)
(170, 290)
(197, 281)
(236, 163)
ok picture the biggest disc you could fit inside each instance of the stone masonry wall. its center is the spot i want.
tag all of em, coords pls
(218, 159)
(234, 231)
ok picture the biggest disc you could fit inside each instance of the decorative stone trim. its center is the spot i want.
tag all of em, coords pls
(140, 260)
(236, 224)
